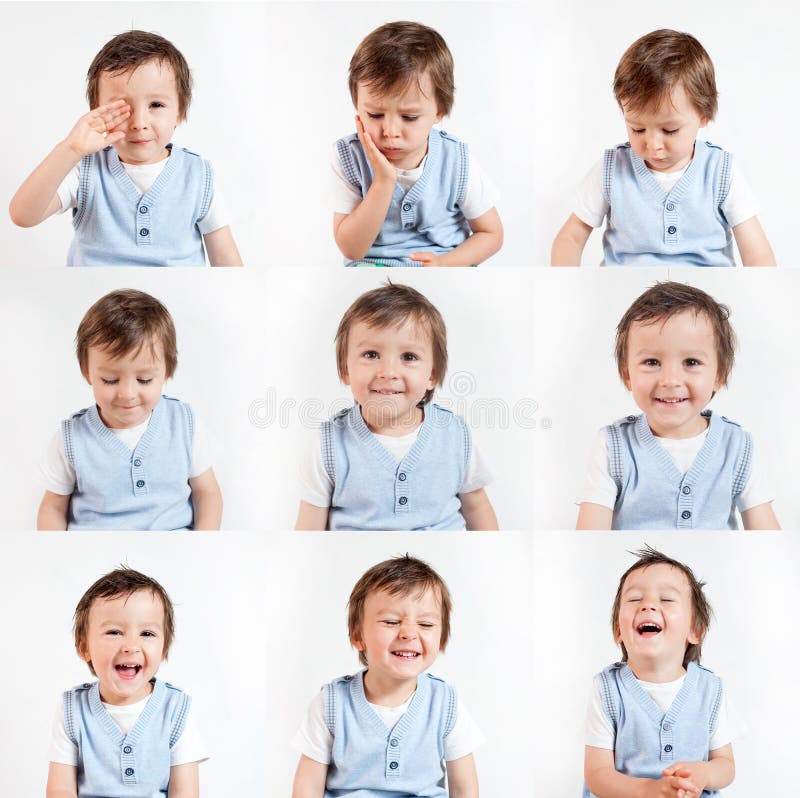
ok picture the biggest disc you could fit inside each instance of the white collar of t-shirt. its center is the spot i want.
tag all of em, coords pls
(683, 450)
(663, 693)
(390, 715)
(668, 180)
(398, 445)
(126, 715)
(407, 177)
(144, 175)
(132, 435)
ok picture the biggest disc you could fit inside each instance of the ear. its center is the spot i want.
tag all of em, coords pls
(346, 379)
(617, 634)
(626, 378)
(432, 380)
(438, 118)
(83, 651)
(696, 636)
(356, 642)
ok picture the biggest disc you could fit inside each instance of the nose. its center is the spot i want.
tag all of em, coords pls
(391, 127)
(138, 117)
(654, 141)
(388, 367)
(670, 375)
(131, 645)
(126, 389)
(407, 631)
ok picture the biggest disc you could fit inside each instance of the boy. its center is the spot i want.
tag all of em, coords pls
(135, 459)
(387, 730)
(394, 460)
(658, 723)
(136, 200)
(127, 733)
(676, 466)
(405, 194)
(668, 199)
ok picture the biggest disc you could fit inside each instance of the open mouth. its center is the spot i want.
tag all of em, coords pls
(406, 654)
(128, 671)
(385, 392)
(648, 629)
(676, 401)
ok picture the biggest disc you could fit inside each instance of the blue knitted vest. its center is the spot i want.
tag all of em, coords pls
(369, 760)
(428, 218)
(647, 740)
(115, 225)
(116, 488)
(116, 765)
(373, 491)
(648, 227)
(653, 494)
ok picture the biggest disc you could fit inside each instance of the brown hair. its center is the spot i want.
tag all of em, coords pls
(130, 50)
(667, 299)
(399, 576)
(391, 306)
(654, 64)
(124, 321)
(397, 53)
(125, 582)
(701, 609)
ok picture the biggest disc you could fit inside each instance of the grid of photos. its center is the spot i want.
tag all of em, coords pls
(355, 467)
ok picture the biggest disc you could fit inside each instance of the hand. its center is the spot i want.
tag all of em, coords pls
(98, 128)
(426, 258)
(675, 783)
(692, 772)
(381, 168)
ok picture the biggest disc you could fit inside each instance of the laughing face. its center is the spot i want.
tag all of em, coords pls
(655, 621)
(401, 636)
(125, 645)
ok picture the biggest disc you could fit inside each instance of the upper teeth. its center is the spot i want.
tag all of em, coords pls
(406, 653)
(671, 401)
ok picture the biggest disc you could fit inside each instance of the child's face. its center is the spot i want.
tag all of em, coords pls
(655, 618)
(672, 372)
(664, 136)
(400, 635)
(389, 370)
(125, 644)
(399, 123)
(127, 388)
(152, 94)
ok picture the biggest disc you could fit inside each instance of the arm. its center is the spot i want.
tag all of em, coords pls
(309, 779)
(462, 778)
(221, 248)
(594, 516)
(752, 243)
(37, 198)
(477, 510)
(53, 512)
(569, 243)
(715, 774)
(356, 232)
(486, 239)
(206, 501)
(62, 781)
(760, 517)
(184, 781)
(311, 518)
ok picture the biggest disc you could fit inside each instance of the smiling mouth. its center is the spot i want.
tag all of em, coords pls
(406, 654)
(671, 401)
(385, 392)
(128, 671)
(648, 629)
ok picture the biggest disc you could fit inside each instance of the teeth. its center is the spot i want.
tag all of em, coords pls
(407, 654)
(648, 627)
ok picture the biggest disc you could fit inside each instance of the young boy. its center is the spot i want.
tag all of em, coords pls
(668, 198)
(127, 733)
(136, 200)
(392, 729)
(404, 193)
(676, 466)
(394, 460)
(135, 459)
(658, 723)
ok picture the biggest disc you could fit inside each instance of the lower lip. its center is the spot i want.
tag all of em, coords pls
(128, 677)
(670, 404)
(140, 142)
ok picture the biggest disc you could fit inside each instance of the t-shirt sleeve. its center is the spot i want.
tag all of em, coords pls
(740, 204)
(68, 190)
(730, 725)
(599, 486)
(464, 737)
(202, 449)
(57, 474)
(478, 474)
(313, 739)
(189, 747)
(758, 489)
(481, 194)
(316, 486)
(218, 215)
(62, 749)
(345, 197)
(598, 731)
(588, 202)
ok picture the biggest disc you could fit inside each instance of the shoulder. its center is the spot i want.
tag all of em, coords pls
(172, 689)
(609, 670)
(77, 415)
(624, 422)
(714, 148)
(618, 149)
(449, 139)
(81, 689)
(346, 143)
(443, 415)
(340, 419)
(188, 153)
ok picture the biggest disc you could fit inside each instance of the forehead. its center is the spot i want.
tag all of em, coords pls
(151, 77)
(661, 576)
(408, 332)
(418, 92)
(674, 107)
(686, 330)
(148, 356)
(141, 606)
(427, 601)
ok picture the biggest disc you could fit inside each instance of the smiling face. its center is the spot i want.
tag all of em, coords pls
(389, 370)
(672, 372)
(399, 122)
(655, 621)
(126, 388)
(664, 136)
(125, 645)
(401, 636)
(152, 95)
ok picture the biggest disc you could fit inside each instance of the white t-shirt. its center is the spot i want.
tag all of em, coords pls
(600, 488)
(480, 195)
(58, 476)
(143, 176)
(188, 747)
(590, 206)
(599, 732)
(315, 741)
(316, 487)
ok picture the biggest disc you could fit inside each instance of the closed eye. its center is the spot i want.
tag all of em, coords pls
(374, 116)
(671, 132)
(145, 381)
(410, 118)
(110, 382)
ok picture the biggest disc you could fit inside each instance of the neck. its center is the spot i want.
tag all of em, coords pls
(387, 692)
(657, 672)
(395, 427)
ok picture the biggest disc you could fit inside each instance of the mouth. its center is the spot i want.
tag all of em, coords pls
(385, 392)
(139, 141)
(667, 401)
(648, 629)
(127, 670)
(406, 654)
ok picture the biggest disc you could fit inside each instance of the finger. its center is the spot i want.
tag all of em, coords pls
(110, 106)
(111, 138)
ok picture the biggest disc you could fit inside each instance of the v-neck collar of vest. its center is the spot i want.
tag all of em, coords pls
(646, 700)
(151, 196)
(113, 442)
(680, 189)
(418, 700)
(662, 457)
(370, 440)
(108, 723)
(434, 145)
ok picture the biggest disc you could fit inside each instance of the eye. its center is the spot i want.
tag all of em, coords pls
(144, 381)
(374, 116)
(410, 118)
(667, 600)
(692, 361)
(370, 354)
(637, 131)
(389, 622)
(109, 382)
(148, 633)
(410, 356)
(113, 632)
(651, 362)
(426, 625)
(157, 104)
(671, 132)
(634, 599)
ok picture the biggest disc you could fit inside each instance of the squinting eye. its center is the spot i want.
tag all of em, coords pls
(110, 382)
(410, 118)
